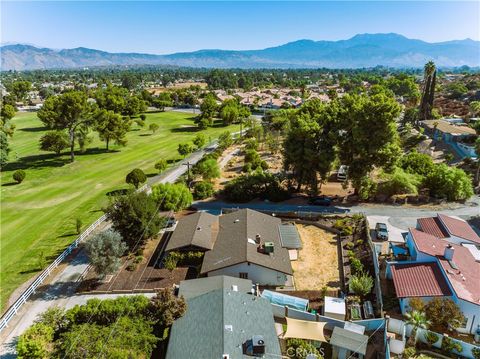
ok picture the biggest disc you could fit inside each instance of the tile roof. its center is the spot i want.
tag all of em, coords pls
(219, 322)
(433, 226)
(464, 278)
(419, 280)
(233, 246)
(198, 229)
(458, 228)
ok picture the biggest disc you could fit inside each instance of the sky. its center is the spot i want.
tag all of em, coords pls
(161, 27)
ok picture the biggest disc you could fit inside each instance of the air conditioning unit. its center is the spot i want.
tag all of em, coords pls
(258, 344)
(268, 247)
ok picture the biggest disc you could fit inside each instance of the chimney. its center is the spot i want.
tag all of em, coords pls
(449, 251)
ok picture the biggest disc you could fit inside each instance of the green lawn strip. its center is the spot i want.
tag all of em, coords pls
(38, 216)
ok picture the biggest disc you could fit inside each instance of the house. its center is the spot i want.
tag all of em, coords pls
(223, 321)
(459, 137)
(196, 232)
(248, 245)
(444, 262)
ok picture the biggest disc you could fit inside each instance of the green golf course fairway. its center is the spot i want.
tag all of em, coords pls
(38, 216)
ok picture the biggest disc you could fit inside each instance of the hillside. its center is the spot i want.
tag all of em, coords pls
(365, 50)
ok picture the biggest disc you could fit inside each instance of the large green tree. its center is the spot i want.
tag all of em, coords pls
(367, 133)
(135, 217)
(68, 112)
(111, 126)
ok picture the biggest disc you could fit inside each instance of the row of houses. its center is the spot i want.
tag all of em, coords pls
(443, 261)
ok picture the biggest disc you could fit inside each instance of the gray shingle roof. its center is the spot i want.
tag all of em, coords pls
(195, 287)
(232, 245)
(198, 229)
(218, 323)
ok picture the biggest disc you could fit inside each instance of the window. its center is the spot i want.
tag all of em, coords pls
(243, 275)
(464, 323)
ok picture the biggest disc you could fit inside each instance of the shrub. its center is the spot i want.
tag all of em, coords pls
(104, 251)
(476, 352)
(153, 127)
(255, 185)
(251, 144)
(350, 245)
(36, 342)
(140, 122)
(185, 149)
(202, 190)
(410, 352)
(78, 225)
(449, 182)
(417, 304)
(172, 197)
(449, 345)
(400, 182)
(200, 140)
(368, 188)
(19, 176)
(252, 157)
(207, 168)
(54, 141)
(431, 337)
(356, 265)
(361, 284)
(136, 177)
(143, 117)
(417, 163)
(161, 165)
(444, 313)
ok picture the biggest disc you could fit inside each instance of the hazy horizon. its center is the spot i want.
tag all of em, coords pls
(167, 27)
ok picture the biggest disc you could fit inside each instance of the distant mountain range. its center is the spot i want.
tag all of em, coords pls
(365, 50)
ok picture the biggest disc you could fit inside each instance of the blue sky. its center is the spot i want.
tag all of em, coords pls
(165, 27)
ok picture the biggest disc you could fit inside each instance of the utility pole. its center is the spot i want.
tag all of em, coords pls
(188, 164)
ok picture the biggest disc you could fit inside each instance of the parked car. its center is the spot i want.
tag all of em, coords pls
(342, 173)
(381, 231)
(320, 201)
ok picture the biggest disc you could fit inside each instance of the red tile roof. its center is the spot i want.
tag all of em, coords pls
(459, 228)
(465, 278)
(433, 226)
(419, 280)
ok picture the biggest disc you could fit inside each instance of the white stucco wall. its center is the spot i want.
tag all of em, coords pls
(257, 274)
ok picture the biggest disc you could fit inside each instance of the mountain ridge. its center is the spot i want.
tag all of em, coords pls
(361, 50)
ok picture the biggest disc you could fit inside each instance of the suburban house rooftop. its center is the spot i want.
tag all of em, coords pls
(448, 127)
(443, 226)
(461, 268)
(240, 237)
(419, 280)
(221, 322)
(196, 231)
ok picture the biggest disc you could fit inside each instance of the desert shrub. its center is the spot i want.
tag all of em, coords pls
(202, 190)
(19, 176)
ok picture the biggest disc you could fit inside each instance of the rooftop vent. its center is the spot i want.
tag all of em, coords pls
(269, 247)
(225, 356)
(235, 288)
(448, 253)
(229, 327)
(199, 228)
(258, 238)
(255, 346)
(236, 221)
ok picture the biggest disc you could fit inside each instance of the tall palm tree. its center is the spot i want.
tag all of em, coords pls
(416, 319)
(428, 92)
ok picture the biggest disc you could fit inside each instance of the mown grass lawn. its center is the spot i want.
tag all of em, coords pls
(38, 216)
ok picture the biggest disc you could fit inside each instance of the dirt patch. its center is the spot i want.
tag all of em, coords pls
(317, 264)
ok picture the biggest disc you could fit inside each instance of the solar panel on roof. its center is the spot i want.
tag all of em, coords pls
(289, 236)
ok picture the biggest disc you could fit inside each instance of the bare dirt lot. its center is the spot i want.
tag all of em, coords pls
(317, 264)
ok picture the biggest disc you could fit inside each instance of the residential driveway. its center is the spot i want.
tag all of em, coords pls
(394, 233)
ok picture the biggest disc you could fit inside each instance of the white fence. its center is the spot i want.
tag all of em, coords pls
(10, 313)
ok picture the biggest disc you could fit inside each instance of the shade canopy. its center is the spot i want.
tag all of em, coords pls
(304, 329)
